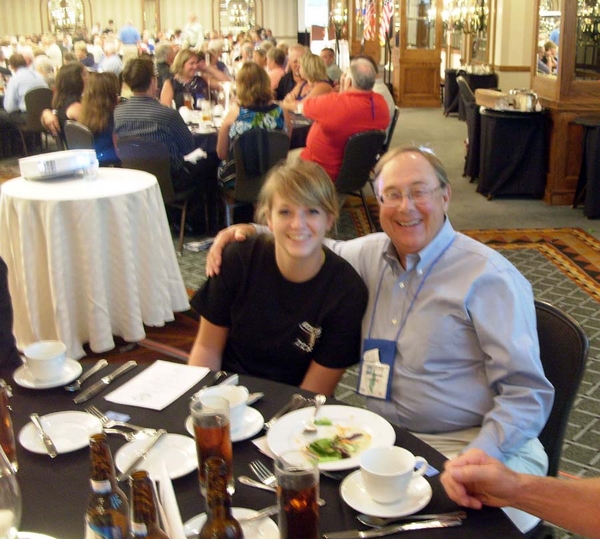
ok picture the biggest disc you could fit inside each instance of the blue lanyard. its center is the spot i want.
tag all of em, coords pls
(413, 301)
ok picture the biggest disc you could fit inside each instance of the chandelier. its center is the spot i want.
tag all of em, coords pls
(238, 13)
(65, 15)
(466, 16)
(339, 18)
(589, 18)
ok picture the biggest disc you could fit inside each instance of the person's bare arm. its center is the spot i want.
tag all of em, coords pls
(209, 345)
(166, 94)
(50, 121)
(226, 236)
(321, 379)
(223, 136)
(74, 111)
(474, 479)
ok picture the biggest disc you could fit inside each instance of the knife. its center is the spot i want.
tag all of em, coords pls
(220, 378)
(48, 443)
(88, 393)
(395, 528)
(142, 456)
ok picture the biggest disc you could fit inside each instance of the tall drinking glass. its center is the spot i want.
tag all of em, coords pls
(7, 435)
(10, 499)
(298, 494)
(210, 415)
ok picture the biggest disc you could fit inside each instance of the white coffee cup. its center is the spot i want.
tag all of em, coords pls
(387, 472)
(45, 360)
(237, 397)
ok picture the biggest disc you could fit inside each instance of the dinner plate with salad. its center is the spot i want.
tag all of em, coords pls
(343, 433)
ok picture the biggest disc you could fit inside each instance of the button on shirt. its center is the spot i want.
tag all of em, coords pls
(468, 354)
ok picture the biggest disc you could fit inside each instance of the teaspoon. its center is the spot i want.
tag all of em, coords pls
(76, 385)
(377, 522)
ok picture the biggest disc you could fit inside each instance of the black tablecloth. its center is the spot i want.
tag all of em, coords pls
(55, 491)
(588, 184)
(513, 157)
(488, 80)
(300, 129)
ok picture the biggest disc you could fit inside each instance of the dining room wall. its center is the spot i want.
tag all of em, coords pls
(30, 16)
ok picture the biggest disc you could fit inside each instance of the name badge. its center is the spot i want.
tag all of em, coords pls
(374, 375)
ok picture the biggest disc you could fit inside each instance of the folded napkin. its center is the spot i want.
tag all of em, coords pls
(263, 446)
(194, 156)
(169, 510)
(158, 386)
(186, 114)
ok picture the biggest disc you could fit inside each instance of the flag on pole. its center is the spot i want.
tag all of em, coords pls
(387, 12)
(369, 21)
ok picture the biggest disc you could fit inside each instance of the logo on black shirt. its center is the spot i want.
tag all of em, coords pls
(308, 337)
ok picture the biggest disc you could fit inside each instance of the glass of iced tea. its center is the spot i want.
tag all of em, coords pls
(7, 435)
(298, 494)
(188, 101)
(210, 415)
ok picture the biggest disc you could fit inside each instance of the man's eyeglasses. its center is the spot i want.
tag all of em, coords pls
(418, 195)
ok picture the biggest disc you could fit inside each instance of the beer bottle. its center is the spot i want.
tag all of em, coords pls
(107, 513)
(144, 514)
(220, 523)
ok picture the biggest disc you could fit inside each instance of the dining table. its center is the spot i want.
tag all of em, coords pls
(89, 258)
(55, 491)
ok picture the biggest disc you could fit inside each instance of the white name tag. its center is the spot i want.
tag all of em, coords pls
(374, 375)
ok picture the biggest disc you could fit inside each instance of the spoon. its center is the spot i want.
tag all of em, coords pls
(311, 427)
(76, 385)
(377, 522)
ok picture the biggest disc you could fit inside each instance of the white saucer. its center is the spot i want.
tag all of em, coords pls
(264, 528)
(68, 430)
(353, 492)
(71, 370)
(33, 535)
(253, 423)
(176, 450)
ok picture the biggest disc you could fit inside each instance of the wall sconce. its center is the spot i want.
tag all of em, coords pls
(338, 18)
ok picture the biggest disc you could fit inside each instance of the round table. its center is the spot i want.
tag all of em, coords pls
(89, 259)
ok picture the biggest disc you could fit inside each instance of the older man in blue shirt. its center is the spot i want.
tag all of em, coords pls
(450, 346)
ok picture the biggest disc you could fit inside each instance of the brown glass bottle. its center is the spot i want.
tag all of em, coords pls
(144, 513)
(220, 523)
(107, 513)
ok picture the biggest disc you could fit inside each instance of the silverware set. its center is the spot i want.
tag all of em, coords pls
(295, 403)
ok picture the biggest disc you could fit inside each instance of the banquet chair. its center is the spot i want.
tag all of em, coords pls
(151, 156)
(255, 152)
(466, 95)
(359, 159)
(36, 101)
(390, 132)
(563, 352)
(78, 136)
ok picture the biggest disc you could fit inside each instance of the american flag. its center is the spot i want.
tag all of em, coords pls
(387, 12)
(369, 20)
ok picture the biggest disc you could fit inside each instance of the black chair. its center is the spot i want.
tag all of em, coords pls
(563, 351)
(390, 132)
(360, 156)
(153, 157)
(473, 119)
(36, 101)
(256, 151)
(466, 96)
(78, 136)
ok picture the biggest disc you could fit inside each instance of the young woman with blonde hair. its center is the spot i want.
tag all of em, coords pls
(284, 307)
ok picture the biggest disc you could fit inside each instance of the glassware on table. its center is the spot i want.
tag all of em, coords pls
(298, 493)
(188, 101)
(206, 108)
(7, 435)
(210, 416)
(10, 499)
(144, 507)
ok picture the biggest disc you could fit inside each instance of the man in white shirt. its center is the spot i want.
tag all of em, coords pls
(194, 33)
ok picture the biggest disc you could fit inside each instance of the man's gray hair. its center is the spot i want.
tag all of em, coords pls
(362, 74)
(161, 52)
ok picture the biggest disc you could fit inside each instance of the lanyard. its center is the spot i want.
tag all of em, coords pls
(412, 303)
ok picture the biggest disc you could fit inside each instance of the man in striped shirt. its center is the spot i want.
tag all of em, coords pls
(143, 116)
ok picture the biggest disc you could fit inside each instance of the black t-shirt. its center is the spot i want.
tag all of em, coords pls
(285, 86)
(277, 327)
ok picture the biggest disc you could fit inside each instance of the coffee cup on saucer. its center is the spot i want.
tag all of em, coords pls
(45, 360)
(387, 472)
(237, 397)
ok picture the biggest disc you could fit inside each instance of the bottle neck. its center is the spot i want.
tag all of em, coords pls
(218, 500)
(144, 513)
(102, 475)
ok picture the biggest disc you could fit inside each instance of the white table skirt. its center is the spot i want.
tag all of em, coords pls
(89, 259)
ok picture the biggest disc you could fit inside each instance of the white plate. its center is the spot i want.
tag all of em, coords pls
(354, 493)
(177, 451)
(33, 535)
(287, 433)
(71, 370)
(261, 529)
(69, 431)
(253, 423)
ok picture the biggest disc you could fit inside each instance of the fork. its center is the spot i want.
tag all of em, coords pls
(297, 401)
(109, 423)
(263, 473)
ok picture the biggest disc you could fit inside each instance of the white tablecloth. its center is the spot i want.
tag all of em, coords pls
(89, 259)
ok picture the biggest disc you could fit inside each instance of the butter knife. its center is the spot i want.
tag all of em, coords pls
(396, 528)
(88, 393)
(296, 401)
(48, 443)
(142, 456)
